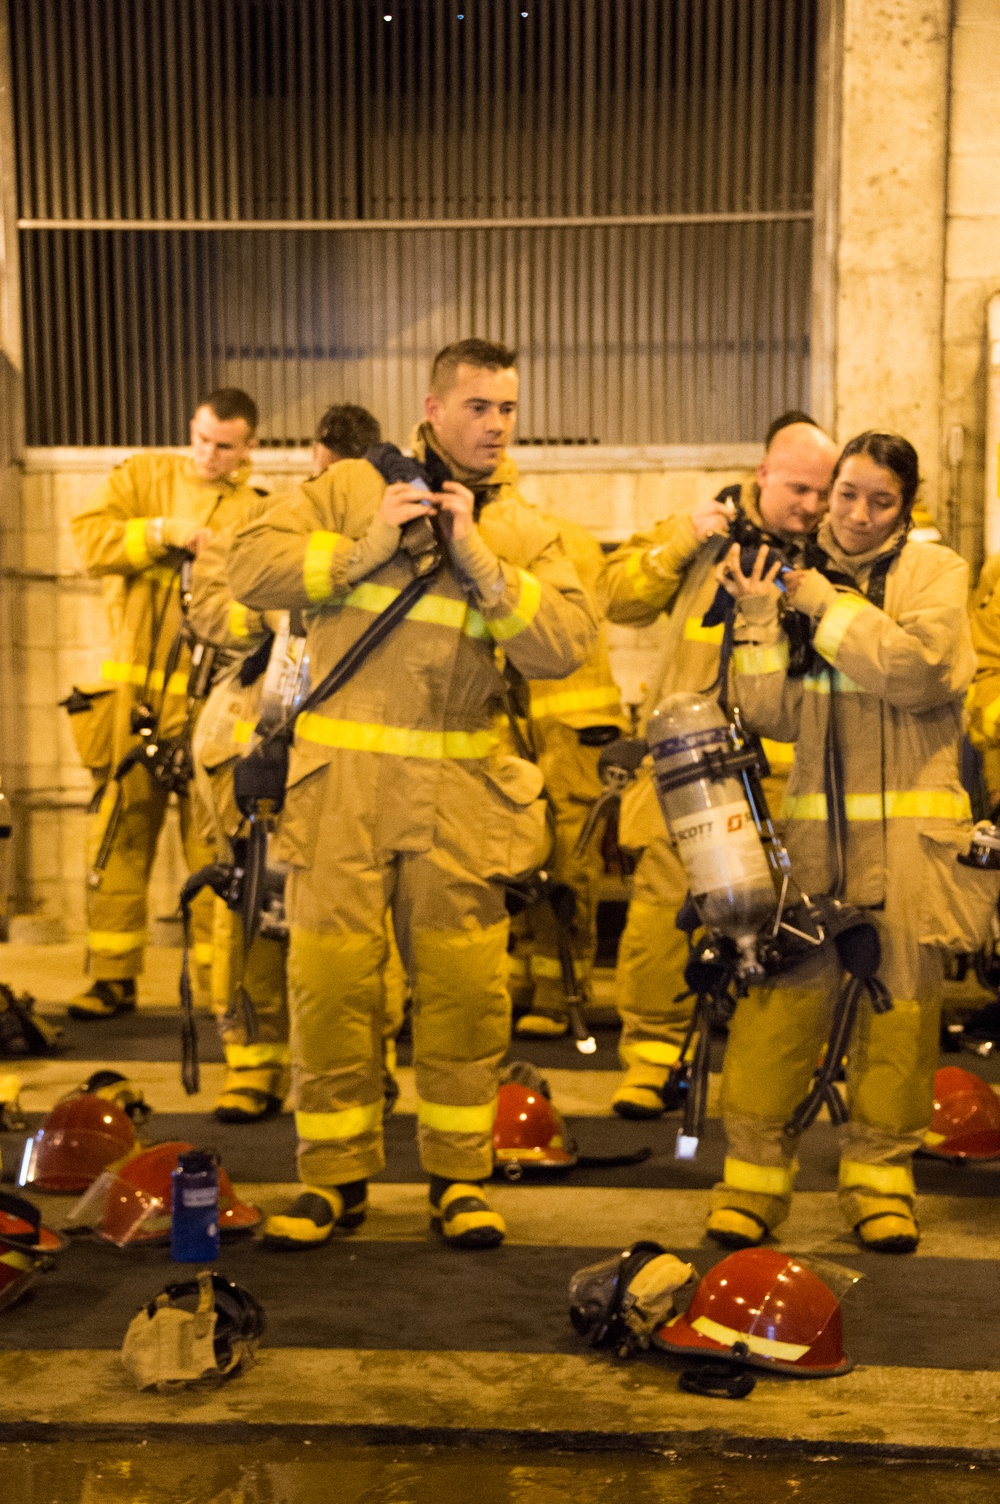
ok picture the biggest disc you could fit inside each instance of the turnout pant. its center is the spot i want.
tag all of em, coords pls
(775, 1044)
(451, 928)
(649, 980)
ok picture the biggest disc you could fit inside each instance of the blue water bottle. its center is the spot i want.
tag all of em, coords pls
(194, 1214)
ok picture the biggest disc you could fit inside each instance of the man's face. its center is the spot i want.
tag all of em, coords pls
(473, 421)
(794, 479)
(218, 447)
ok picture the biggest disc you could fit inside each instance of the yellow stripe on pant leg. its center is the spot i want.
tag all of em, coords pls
(347, 1122)
(650, 1052)
(249, 1056)
(767, 1180)
(884, 1180)
(457, 1119)
(116, 942)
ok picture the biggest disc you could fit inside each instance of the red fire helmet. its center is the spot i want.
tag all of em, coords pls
(528, 1132)
(79, 1139)
(137, 1199)
(965, 1123)
(772, 1309)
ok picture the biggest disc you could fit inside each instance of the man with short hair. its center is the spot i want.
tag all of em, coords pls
(345, 432)
(671, 571)
(153, 511)
(398, 796)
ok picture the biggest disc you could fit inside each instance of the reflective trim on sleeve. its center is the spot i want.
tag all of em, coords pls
(756, 660)
(317, 564)
(605, 697)
(456, 1119)
(349, 1122)
(394, 741)
(643, 580)
(778, 754)
(136, 548)
(836, 620)
(239, 624)
(249, 1056)
(899, 804)
(651, 1052)
(694, 631)
(116, 942)
(766, 1180)
(885, 1180)
(135, 673)
(524, 612)
(819, 684)
(243, 731)
(764, 1347)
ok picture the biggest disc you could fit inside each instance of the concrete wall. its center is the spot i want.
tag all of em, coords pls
(60, 634)
(972, 258)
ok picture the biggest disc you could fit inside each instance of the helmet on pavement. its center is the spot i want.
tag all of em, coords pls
(528, 1132)
(17, 1272)
(132, 1203)
(81, 1136)
(965, 1123)
(768, 1310)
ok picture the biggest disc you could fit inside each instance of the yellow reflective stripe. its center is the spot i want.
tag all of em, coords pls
(349, 1122)
(247, 1056)
(317, 563)
(766, 1180)
(438, 610)
(991, 715)
(524, 611)
(644, 582)
(836, 620)
(394, 741)
(931, 1138)
(135, 673)
(517, 966)
(904, 804)
(651, 1052)
(778, 754)
(757, 660)
(607, 697)
(239, 624)
(116, 942)
(203, 952)
(243, 731)
(819, 684)
(456, 1119)
(764, 1347)
(136, 548)
(695, 632)
(886, 1180)
(548, 967)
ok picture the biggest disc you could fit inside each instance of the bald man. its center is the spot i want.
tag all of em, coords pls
(670, 570)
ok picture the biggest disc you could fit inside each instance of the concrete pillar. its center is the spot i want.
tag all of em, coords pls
(883, 124)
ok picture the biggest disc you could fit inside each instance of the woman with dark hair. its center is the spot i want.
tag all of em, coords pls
(875, 815)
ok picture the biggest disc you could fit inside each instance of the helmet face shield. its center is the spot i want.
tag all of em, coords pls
(122, 1212)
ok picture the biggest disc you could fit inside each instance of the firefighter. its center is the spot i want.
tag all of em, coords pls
(875, 814)
(257, 1067)
(984, 697)
(671, 570)
(396, 794)
(154, 510)
(568, 722)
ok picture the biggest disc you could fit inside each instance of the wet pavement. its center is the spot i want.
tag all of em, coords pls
(280, 1472)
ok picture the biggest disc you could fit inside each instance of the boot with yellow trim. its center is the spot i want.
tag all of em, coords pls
(749, 1203)
(463, 1216)
(546, 1017)
(104, 999)
(252, 1093)
(882, 1219)
(648, 1091)
(316, 1214)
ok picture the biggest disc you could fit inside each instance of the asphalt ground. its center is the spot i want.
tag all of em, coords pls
(389, 1335)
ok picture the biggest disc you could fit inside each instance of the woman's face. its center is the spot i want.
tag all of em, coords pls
(866, 504)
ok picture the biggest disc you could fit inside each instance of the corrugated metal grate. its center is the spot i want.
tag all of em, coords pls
(675, 136)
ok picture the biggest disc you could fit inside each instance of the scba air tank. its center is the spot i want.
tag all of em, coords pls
(710, 821)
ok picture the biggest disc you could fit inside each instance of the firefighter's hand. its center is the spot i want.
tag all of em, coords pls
(457, 505)
(731, 577)
(709, 518)
(402, 502)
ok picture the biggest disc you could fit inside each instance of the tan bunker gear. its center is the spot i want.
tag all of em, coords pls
(887, 690)
(148, 508)
(665, 570)
(559, 710)
(397, 798)
(983, 700)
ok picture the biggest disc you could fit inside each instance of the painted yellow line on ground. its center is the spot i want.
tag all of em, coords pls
(516, 1393)
(567, 1216)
